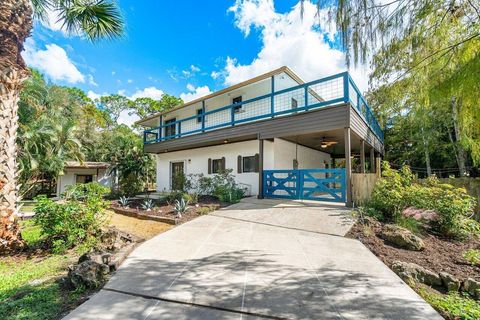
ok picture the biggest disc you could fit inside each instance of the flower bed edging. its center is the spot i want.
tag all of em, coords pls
(139, 215)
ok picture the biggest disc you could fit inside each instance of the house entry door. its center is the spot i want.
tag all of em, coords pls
(177, 175)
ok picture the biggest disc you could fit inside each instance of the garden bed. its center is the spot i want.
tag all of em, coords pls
(440, 254)
(164, 212)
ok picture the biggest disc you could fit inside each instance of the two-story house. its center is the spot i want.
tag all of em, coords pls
(281, 136)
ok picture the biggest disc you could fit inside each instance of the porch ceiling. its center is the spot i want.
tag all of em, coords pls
(313, 140)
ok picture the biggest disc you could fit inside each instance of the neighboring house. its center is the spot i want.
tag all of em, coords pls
(281, 136)
(76, 172)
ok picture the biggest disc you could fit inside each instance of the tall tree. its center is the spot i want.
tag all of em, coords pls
(145, 107)
(442, 93)
(94, 19)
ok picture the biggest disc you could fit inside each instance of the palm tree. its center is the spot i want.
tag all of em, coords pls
(94, 19)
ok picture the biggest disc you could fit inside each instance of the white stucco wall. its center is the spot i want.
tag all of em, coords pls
(278, 154)
(196, 161)
(69, 178)
(308, 158)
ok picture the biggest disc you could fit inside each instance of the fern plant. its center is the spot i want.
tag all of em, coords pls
(180, 207)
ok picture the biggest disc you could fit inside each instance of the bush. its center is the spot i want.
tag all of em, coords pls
(176, 195)
(131, 185)
(78, 220)
(206, 210)
(453, 305)
(225, 188)
(399, 189)
(472, 256)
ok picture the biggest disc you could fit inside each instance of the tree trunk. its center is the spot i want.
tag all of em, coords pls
(15, 26)
(461, 155)
(427, 154)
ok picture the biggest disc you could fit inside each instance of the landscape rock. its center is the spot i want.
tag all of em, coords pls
(449, 281)
(100, 257)
(109, 238)
(402, 237)
(370, 221)
(472, 287)
(89, 273)
(409, 272)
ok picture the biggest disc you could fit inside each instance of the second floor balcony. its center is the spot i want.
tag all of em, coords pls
(283, 99)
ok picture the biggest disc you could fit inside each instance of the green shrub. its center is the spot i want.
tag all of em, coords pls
(176, 195)
(225, 188)
(409, 223)
(206, 210)
(389, 192)
(453, 305)
(76, 220)
(131, 185)
(398, 189)
(472, 256)
(179, 180)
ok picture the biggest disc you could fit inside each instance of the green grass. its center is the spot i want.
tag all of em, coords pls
(452, 305)
(29, 287)
(27, 205)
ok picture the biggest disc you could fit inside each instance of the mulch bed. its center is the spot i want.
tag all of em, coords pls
(440, 254)
(164, 212)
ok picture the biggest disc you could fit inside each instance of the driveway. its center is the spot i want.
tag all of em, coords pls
(253, 260)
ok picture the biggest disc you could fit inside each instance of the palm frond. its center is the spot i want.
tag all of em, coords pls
(96, 19)
(40, 8)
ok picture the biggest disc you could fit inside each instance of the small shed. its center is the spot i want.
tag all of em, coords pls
(84, 172)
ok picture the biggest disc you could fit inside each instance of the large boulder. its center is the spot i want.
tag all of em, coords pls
(402, 237)
(450, 282)
(472, 287)
(89, 273)
(409, 272)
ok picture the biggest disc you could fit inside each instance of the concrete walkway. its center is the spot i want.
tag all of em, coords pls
(257, 259)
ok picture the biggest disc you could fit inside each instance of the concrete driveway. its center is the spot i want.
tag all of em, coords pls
(257, 259)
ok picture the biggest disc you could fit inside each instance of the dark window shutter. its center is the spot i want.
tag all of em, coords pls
(239, 164)
(209, 166)
(223, 163)
(257, 162)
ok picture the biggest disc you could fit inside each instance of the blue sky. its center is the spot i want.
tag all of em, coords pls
(189, 48)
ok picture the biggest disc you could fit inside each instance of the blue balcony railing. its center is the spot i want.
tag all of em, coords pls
(332, 90)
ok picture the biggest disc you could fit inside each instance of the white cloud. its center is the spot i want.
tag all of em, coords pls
(287, 40)
(194, 93)
(129, 81)
(194, 68)
(113, 72)
(53, 21)
(91, 80)
(53, 62)
(126, 118)
(149, 92)
(93, 95)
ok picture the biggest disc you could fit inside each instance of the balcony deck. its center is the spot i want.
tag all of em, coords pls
(336, 90)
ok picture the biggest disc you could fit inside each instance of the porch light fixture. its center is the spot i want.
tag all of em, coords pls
(225, 141)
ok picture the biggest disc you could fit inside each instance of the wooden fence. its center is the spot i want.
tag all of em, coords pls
(362, 186)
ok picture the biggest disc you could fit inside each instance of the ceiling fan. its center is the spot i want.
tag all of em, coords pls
(327, 142)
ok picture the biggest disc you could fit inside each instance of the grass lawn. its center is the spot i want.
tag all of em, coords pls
(29, 286)
(145, 229)
(29, 282)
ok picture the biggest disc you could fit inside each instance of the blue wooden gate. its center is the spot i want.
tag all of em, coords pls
(311, 184)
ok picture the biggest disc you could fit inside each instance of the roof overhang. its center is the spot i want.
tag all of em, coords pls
(86, 165)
